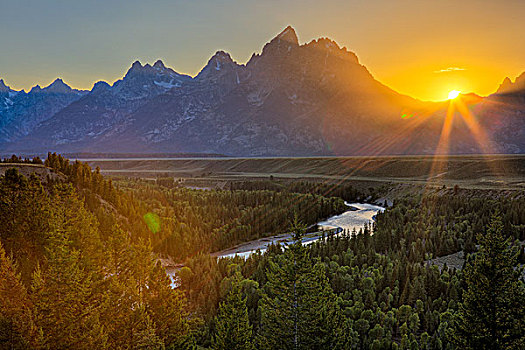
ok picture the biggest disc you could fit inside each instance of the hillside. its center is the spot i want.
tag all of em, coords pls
(466, 171)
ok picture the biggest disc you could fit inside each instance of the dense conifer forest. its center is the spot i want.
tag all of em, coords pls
(80, 266)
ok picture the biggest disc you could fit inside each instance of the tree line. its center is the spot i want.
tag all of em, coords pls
(79, 268)
(63, 285)
(371, 291)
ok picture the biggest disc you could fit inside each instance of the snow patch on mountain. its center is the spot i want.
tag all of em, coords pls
(167, 85)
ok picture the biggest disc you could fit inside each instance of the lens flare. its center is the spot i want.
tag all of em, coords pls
(152, 220)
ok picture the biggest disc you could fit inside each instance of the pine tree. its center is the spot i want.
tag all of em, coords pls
(16, 321)
(63, 297)
(24, 209)
(142, 309)
(167, 307)
(144, 336)
(492, 312)
(233, 329)
(124, 313)
(299, 309)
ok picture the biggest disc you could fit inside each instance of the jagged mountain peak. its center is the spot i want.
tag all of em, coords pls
(3, 86)
(288, 35)
(22, 112)
(332, 47)
(136, 68)
(159, 64)
(221, 56)
(289, 99)
(284, 42)
(136, 65)
(325, 44)
(58, 86)
(508, 87)
(158, 68)
(505, 86)
(220, 64)
(221, 59)
(35, 89)
(520, 82)
(146, 80)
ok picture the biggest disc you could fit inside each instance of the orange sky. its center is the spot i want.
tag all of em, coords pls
(421, 48)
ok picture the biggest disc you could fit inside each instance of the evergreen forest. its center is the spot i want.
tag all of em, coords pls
(82, 265)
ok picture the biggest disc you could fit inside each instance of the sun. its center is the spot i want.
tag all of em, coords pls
(453, 94)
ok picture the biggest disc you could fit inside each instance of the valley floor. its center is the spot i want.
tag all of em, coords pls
(499, 172)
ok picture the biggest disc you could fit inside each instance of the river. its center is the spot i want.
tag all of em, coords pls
(356, 217)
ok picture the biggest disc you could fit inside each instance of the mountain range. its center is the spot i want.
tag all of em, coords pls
(292, 99)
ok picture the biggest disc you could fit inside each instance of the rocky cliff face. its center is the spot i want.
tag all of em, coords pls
(104, 110)
(291, 99)
(21, 112)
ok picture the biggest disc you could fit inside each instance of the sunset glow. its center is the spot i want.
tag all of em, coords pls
(440, 55)
(259, 175)
(453, 94)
